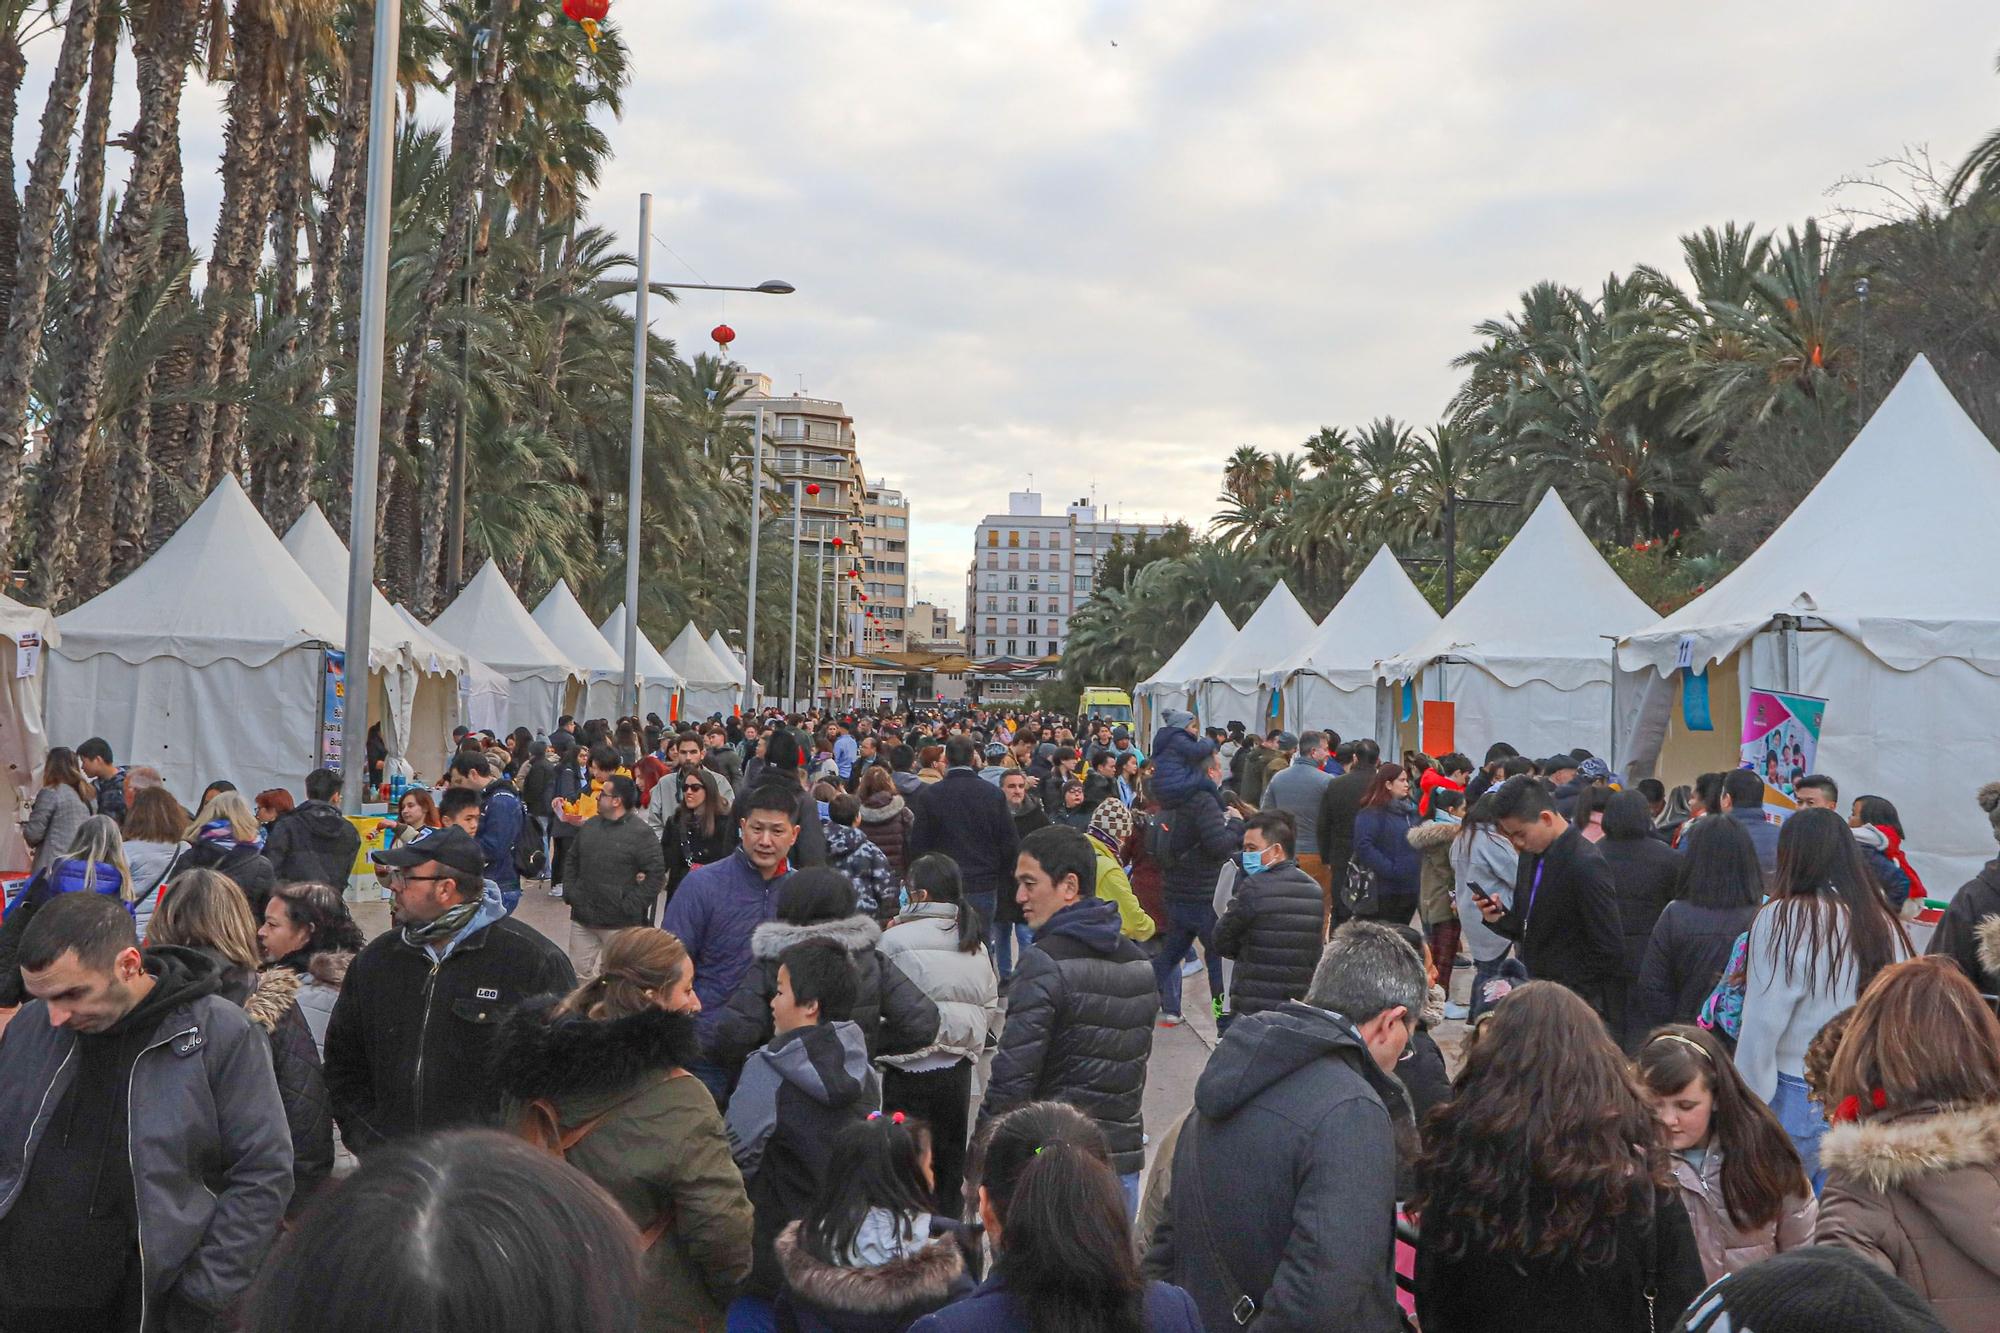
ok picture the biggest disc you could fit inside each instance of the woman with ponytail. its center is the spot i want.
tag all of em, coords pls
(939, 944)
(601, 1076)
(1054, 1211)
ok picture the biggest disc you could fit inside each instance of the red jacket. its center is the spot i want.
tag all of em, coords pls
(1430, 782)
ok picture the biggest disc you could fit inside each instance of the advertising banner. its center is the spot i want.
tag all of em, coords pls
(332, 708)
(1781, 736)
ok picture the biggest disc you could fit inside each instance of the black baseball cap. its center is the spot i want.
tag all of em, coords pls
(449, 846)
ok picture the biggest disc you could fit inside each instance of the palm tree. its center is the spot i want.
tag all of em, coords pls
(1246, 473)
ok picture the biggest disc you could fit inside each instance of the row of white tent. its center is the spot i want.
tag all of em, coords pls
(1872, 595)
(211, 661)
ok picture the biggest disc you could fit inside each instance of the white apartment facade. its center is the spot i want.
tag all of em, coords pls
(1031, 570)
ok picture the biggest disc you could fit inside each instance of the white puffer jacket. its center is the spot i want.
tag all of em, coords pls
(924, 943)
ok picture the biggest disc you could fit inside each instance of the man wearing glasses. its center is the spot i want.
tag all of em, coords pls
(407, 1047)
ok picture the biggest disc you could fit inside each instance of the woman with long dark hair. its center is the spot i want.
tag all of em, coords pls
(700, 830)
(1644, 871)
(308, 930)
(869, 1256)
(1056, 1215)
(1720, 887)
(1913, 1162)
(614, 1055)
(1544, 1196)
(64, 801)
(1382, 844)
(1741, 1181)
(939, 943)
(1813, 949)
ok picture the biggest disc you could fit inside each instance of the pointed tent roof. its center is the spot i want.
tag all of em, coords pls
(694, 661)
(652, 666)
(568, 626)
(18, 618)
(1539, 613)
(222, 588)
(433, 653)
(1890, 549)
(323, 556)
(1274, 631)
(1381, 613)
(728, 656)
(488, 621)
(1210, 639)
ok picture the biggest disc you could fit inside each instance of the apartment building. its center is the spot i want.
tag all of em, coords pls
(1030, 571)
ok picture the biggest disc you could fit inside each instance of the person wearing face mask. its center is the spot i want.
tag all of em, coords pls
(1272, 926)
(604, 1072)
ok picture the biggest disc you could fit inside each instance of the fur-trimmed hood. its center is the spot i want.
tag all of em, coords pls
(330, 966)
(276, 992)
(1432, 835)
(539, 1055)
(1898, 1153)
(914, 1284)
(877, 810)
(853, 933)
(1987, 933)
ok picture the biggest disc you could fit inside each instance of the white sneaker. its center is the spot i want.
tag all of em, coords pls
(1457, 1013)
(1172, 1020)
(555, 891)
(1192, 967)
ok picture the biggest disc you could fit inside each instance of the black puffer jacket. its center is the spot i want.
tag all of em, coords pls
(1272, 930)
(1203, 841)
(271, 999)
(1684, 959)
(1969, 934)
(1080, 1027)
(315, 843)
(892, 1011)
(242, 862)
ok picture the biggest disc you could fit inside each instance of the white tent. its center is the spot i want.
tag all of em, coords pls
(1524, 656)
(418, 701)
(208, 661)
(1229, 689)
(24, 745)
(568, 626)
(729, 657)
(657, 681)
(708, 686)
(482, 691)
(1330, 682)
(1873, 595)
(488, 621)
(1169, 688)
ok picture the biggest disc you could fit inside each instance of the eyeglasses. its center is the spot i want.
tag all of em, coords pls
(405, 877)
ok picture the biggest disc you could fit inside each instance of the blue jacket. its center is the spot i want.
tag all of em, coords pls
(501, 816)
(1381, 842)
(990, 1309)
(1763, 836)
(713, 913)
(1180, 764)
(65, 876)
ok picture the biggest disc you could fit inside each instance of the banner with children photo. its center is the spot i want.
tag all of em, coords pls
(1781, 737)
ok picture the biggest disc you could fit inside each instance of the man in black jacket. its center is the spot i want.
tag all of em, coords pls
(1565, 911)
(407, 1048)
(1272, 927)
(1010, 929)
(1080, 1015)
(617, 873)
(1338, 805)
(314, 842)
(966, 818)
(1205, 836)
(1282, 1195)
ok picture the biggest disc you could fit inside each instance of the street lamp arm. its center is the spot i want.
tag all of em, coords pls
(769, 287)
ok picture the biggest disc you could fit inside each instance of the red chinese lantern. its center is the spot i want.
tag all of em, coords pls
(838, 543)
(812, 488)
(587, 14)
(722, 333)
(862, 595)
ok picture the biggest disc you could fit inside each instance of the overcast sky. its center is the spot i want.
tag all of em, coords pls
(1105, 244)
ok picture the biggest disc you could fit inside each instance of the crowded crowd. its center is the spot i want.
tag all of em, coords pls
(850, 1030)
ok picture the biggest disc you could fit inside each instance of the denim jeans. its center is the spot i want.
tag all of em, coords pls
(1483, 971)
(1186, 923)
(1129, 1183)
(1003, 941)
(751, 1314)
(1805, 1121)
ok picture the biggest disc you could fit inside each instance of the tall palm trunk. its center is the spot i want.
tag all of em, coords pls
(166, 498)
(284, 471)
(22, 346)
(13, 68)
(132, 484)
(87, 221)
(168, 38)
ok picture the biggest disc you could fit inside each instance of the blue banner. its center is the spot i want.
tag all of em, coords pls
(1694, 700)
(1409, 700)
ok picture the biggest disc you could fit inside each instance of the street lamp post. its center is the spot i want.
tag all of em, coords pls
(750, 602)
(819, 600)
(368, 397)
(635, 476)
(798, 533)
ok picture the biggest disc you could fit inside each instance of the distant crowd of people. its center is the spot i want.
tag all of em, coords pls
(851, 1028)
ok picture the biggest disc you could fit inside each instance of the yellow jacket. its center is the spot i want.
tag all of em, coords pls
(1133, 923)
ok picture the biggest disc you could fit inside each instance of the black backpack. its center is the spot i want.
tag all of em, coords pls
(530, 856)
(1160, 828)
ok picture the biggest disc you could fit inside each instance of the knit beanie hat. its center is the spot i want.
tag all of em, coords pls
(1112, 818)
(1989, 801)
(1176, 718)
(1811, 1290)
